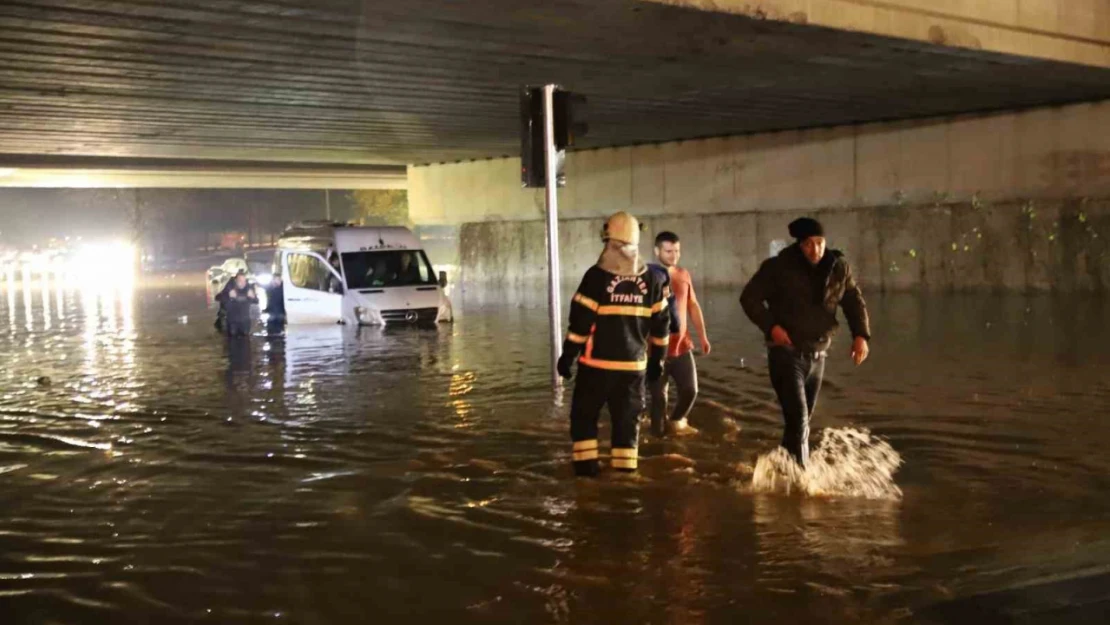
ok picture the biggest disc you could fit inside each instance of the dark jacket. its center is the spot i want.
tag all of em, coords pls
(789, 292)
(275, 299)
(618, 322)
(239, 307)
(665, 277)
(222, 296)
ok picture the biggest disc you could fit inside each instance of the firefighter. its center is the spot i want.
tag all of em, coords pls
(619, 332)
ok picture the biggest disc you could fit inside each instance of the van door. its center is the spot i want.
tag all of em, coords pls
(313, 290)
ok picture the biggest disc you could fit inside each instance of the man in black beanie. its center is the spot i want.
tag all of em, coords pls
(793, 299)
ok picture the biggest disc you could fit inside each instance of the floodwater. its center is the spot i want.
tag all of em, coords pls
(344, 475)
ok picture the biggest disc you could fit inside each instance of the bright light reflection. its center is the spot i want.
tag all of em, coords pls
(104, 265)
(60, 300)
(127, 320)
(44, 291)
(92, 322)
(11, 304)
(108, 317)
(28, 310)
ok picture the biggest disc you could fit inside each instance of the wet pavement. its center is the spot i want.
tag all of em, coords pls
(151, 471)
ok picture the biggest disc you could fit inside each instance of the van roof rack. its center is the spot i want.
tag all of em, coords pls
(315, 224)
(313, 227)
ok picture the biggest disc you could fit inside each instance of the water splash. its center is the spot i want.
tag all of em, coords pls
(847, 462)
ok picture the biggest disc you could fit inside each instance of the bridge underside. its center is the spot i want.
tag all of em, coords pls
(342, 82)
(33, 171)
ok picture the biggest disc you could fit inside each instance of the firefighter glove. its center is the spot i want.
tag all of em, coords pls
(566, 361)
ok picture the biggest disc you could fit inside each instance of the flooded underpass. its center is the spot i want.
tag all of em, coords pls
(151, 471)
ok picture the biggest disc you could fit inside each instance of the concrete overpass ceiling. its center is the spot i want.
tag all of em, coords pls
(36, 170)
(417, 81)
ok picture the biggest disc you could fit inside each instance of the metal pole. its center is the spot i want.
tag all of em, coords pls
(552, 202)
(327, 203)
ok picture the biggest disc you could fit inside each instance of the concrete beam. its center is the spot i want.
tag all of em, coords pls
(921, 204)
(1049, 153)
(1072, 31)
(94, 172)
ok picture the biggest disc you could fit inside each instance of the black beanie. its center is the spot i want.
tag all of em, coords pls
(805, 227)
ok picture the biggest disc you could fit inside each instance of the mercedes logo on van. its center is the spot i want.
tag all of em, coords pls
(411, 316)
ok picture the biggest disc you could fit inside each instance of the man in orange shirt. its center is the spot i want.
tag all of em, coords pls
(680, 353)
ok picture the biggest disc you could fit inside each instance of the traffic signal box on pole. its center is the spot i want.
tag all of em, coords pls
(570, 115)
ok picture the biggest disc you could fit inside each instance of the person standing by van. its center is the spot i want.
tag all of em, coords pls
(239, 300)
(680, 363)
(793, 299)
(275, 305)
(222, 299)
(618, 311)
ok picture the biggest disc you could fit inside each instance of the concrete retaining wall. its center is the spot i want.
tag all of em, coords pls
(1037, 246)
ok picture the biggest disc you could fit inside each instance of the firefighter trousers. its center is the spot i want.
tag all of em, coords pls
(623, 393)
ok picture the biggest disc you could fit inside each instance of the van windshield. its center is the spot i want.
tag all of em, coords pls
(369, 270)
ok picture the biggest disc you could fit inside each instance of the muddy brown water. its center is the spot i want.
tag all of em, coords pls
(159, 474)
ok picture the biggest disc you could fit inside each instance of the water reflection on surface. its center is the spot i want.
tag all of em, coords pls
(331, 475)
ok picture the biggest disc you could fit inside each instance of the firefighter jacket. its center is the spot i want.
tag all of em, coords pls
(614, 319)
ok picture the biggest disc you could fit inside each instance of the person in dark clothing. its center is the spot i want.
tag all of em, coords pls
(618, 335)
(332, 283)
(222, 298)
(239, 300)
(664, 277)
(275, 305)
(793, 299)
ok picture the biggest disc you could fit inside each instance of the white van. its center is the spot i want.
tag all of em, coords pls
(332, 273)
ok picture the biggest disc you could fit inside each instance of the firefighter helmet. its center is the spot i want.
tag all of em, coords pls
(622, 227)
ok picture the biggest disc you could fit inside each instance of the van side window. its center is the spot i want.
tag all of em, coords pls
(309, 272)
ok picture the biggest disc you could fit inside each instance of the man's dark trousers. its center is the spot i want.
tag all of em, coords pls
(796, 376)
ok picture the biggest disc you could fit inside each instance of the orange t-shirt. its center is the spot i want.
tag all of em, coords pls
(682, 285)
